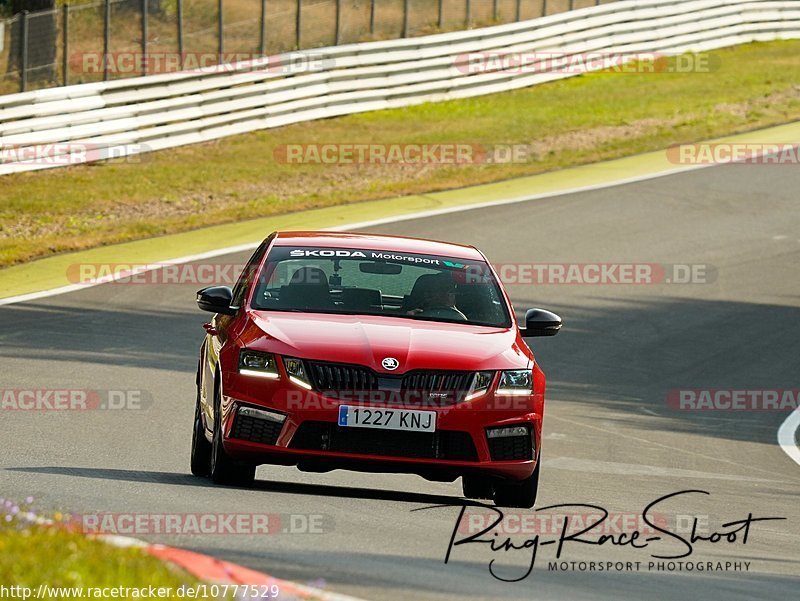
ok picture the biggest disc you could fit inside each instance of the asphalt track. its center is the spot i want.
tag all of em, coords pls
(611, 439)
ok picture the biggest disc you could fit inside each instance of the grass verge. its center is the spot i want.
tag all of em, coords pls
(32, 555)
(580, 120)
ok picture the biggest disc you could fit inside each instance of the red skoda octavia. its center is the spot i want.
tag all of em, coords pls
(376, 353)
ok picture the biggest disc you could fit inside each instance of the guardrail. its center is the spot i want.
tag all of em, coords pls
(129, 116)
(65, 44)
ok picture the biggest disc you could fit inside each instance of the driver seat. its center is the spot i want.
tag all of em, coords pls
(424, 285)
(308, 289)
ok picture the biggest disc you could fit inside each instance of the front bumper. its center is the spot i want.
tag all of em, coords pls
(310, 438)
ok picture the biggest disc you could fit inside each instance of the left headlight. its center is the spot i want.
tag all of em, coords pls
(257, 363)
(480, 384)
(516, 382)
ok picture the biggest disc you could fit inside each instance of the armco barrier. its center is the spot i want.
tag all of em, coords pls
(163, 111)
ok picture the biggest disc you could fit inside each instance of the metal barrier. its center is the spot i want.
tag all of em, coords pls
(97, 40)
(128, 116)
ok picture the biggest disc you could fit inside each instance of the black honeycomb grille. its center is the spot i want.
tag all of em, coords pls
(443, 444)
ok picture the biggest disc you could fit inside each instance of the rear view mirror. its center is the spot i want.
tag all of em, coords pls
(540, 322)
(380, 268)
(216, 299)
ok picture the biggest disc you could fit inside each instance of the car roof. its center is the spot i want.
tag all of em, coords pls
(377, 242)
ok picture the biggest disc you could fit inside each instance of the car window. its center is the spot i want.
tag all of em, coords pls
(356, 281)
(246, 277)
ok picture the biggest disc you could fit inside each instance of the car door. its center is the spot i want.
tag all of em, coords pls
(216, 332)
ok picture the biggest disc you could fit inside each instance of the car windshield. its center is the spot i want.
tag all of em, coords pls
(367, 282)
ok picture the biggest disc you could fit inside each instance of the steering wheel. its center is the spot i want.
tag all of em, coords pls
(445, 312)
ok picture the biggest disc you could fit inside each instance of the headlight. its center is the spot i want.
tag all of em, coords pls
(256, 363)
(480, 384)
(297, 372)
(517, 382)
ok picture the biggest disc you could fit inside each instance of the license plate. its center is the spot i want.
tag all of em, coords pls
(387, 419)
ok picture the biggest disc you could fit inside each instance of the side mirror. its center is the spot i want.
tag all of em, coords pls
(216, 299)
(539, 322)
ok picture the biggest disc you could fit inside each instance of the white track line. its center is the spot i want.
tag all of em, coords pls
(786, 433)
(119, 275)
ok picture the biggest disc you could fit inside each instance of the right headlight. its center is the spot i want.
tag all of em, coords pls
(517, 382)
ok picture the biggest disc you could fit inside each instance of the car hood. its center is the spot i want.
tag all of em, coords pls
(368, 340)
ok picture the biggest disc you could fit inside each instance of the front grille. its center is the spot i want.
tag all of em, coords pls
(511, 448)
(336, 377)
(442, 385)
(256, 430)
(326, 436)
(339, 380)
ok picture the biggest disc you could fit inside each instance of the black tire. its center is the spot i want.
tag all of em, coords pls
(223, 469)
(201, 448)
(521, 493)
(477, 487)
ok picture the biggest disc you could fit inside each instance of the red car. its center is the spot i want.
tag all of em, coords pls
(375, 353)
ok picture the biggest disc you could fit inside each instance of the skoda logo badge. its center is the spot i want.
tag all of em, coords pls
(390, 363)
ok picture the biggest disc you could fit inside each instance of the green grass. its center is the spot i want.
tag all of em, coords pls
(575, 121)
(33, 555)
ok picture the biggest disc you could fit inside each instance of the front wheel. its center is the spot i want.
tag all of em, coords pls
(201, 448)
(522, 494)
(222, 468)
